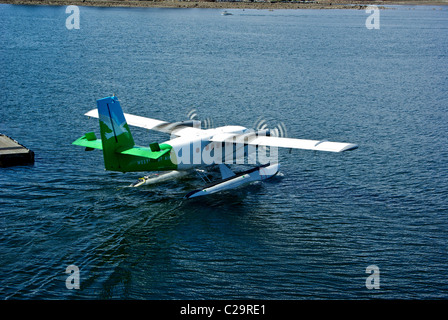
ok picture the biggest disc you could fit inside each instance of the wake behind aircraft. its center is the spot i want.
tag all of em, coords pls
(191, 148)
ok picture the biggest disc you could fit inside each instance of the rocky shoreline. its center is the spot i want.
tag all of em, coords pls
(317, 4)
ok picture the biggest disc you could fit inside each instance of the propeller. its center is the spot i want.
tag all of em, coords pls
(278, 131)
(207, 123)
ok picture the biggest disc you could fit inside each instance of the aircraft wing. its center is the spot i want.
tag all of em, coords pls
(289, 143)
(317, 145)
(179, 129)
(176, 128)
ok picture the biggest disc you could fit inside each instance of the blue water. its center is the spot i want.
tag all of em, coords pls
(309, 233)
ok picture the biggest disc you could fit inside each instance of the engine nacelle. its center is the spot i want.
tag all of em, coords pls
(188, 123)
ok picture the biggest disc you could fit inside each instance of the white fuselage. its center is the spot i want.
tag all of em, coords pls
(200, 150)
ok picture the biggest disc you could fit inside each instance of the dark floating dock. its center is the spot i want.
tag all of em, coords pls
(13, 153)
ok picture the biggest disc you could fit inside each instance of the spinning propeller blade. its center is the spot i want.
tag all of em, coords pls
(207, 123)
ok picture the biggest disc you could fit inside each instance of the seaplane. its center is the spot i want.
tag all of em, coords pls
(192, 147)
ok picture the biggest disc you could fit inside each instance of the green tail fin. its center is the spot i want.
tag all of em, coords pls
(119, 150)
(115, 133)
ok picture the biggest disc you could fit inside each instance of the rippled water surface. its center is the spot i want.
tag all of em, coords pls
(308, 233)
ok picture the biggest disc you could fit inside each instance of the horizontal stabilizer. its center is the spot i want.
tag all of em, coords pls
(89, 140)
(145, 152)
